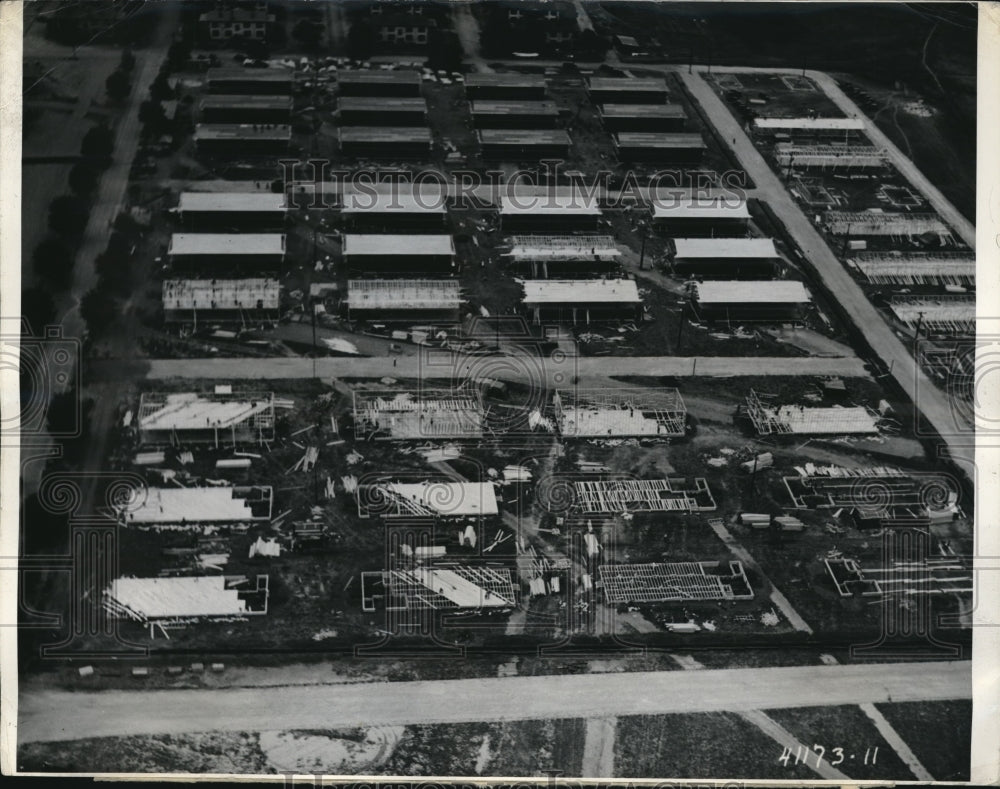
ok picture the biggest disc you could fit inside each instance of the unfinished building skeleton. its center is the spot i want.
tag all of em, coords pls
(239, 302)
(404, 299)
(193, 506)
(426, 499)
(605, 413)
(400, 416)
(876, 496)
(458, 587)
(878, 223)
(928, 576)
(182, 598)
(916, 268)
(829, 157)
(563, 256)
(772, 419)
(182, 418)
(936, 314)
(616, 496)
(673, 582)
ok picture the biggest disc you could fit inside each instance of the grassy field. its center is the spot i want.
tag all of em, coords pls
(938, 733)
(699, 745)
(216, 752)
(849, 729)
(522, 748)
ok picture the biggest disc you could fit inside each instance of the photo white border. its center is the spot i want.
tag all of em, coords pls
(985, 768)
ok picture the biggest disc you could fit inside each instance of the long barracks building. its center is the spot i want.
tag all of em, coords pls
(246, 109)
(379, 83)
(220, 211)
(382, 111)
(387, 142)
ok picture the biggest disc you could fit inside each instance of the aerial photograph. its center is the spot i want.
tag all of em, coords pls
(479, 389)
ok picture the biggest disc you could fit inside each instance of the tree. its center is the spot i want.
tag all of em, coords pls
(153, 117)
(38, 309)
(53, 263)
(114, 265)
(255, 49)
(128, 60)
(177, 55)
(98, 143)
(69, 416)
(118, 85)
(68, 216)
(99, 309)
(361, 40)
(83, 178)
(159, 88)
(126, 226)
(307, 33)
(592, 45)
(445, 51)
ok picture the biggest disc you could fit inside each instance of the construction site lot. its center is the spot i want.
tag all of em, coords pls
(315, 598)
(774, 95)
(792, 561)
(835, 188)
(327, 539)
(934, 131)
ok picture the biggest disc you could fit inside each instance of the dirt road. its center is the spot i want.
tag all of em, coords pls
(62, 715)
(591, 370)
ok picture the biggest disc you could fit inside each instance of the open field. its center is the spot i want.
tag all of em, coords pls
(707, 745)
(938, 732)
(853, 733)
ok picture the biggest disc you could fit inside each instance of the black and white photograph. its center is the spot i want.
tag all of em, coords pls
(535, 391)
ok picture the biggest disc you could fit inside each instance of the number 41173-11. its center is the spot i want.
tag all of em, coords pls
(802, 755)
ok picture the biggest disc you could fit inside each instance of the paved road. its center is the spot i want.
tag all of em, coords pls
(525, 369)
(934, 404)
(50, 715)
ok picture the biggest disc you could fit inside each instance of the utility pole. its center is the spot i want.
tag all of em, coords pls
(847, 240)
(312, 309)
(916, 332)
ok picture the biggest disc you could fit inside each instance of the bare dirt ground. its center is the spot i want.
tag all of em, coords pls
(925, 133)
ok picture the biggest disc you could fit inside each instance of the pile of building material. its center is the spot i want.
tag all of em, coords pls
(307, 461)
